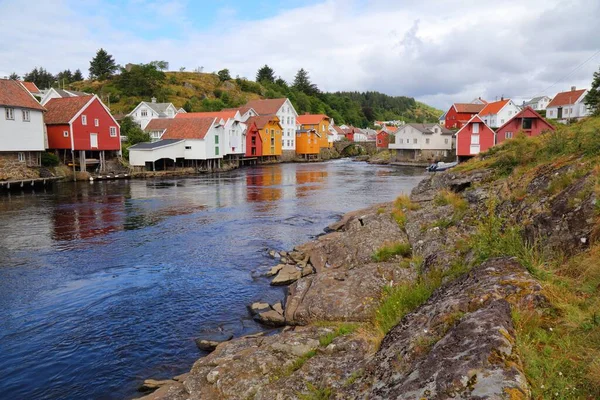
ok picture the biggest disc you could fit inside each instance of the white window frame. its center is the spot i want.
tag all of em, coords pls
(427, 141)
(113, 131)
(144, 113)
(475, 127)
(508, 135)
(96, 122)
(21, 156)
(26, 115)
(84, 120)
(65, 133)
(97, 142)
(9, 113)
(475, 140)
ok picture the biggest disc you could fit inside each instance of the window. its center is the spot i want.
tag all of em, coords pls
(551, 113)
(65, 133)
(445, 141)
(21, 156)
(379, 141)
(144, 113)
(113, 131)
(415, 140)
(83, 120)
(527, 123)
(401, 141)
(508, 135)
(476, 127)
(216, 151)
(253, 140)
(96, 122)
(502, 121)
(10, 113)
(216, 139)
(475, 139)
(188, 147)
(26, 116)
(426, 141)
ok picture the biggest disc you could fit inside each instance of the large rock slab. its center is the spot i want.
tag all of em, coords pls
(286, 275)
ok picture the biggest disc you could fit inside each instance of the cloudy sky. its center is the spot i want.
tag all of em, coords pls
(436, 51)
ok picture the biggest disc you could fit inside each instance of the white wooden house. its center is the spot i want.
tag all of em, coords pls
(422, 142)
(147, 111)
(568, 105)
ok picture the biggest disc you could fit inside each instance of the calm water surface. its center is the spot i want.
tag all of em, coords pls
(103, 285)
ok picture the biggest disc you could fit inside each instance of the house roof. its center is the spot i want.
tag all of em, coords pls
(566, 98)
(311, 119)
(225, 114)
(536, 100)
(154, 145)
(339, 130)
(527, 112)
(266, 106)
(494, 107)
(158, 124)
(475, 118)
(390, 128)
(159, 108)
(33, 89)
(70, 93)
(12, 93)
(469, 108)
(188, 128)
(428, 128)
(62, 111)
(260, 120)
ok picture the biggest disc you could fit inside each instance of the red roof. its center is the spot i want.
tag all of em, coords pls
(527, 112)
(158, 124)
(260, 120)
(311, 119)
(61, 111)
(266, 106)
(468, 108)
(188, 128)
(566, 98)
(225, 114)
(339, 130)
(494, 108)
(390, 129)
(33, 89)
(13, 94)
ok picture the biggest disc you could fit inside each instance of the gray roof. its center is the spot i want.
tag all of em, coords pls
(535, 100)
(155, 145)
(70, 93)
(369, 131)
(427, 128)
(160, 108)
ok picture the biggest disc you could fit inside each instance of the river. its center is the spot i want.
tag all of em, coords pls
(105, 284)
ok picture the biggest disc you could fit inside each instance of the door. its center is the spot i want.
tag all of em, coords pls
(94, 140)
(559, 113)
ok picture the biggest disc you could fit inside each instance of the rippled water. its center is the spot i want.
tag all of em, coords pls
(103, 285)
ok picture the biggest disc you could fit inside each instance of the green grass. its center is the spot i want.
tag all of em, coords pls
(386, 253)
(341, 330)
(316, 393)
(459, 207)
(300, 361)
(402, 204)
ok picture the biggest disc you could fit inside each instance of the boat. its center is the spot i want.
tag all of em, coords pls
(441, 166)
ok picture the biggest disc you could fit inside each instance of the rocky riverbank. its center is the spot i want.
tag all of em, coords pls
(422, 298)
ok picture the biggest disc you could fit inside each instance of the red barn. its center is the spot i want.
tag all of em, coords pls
(253, 141)
(461, 113)
(473, 138)
(82, 124)
(527, 121)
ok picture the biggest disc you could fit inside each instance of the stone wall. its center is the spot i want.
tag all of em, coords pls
(288, 155)
(423, 155)
(13, 169)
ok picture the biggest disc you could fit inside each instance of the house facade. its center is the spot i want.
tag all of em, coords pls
(317, 122)
(539, 103)
(270, 133)
(253, 141)
(82, 127)
(460, 113)
(473, 138)
(422, 142)
(285, 111)
(527, 122)
(147, 111)
(308, 144)
(22, 134)
(336, 133)
(496, 113)
(383, 136)
(359, 135)
(186, 142)
(568, 105)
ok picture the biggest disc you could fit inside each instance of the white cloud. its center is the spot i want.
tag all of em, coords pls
(438, 52)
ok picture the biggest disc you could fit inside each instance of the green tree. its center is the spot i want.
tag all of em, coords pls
(102, 66)
(133, 132)
(77, 75)
(265, 74)
(64, 77)
(592, 99)
(141, 80)
(160, 65)
(303, 84)
(14, 76)
(281, 82)
(42, 78)
(224, 75)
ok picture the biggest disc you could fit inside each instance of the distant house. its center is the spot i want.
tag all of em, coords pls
(383, 136)
(32, 88)
(420, 142)
(461, 113)
(317, 122)
(527, 121)
(473, 138)
(568, 105)
(147, 111)
(336, 133)
(235, 131)
(285, 111)
(270, 133)
(538, 103)
(22, 135)
(479, 100)
(371, 134)
(53, 93)
(186, 142)
(442, 119)
(359, 135)
(496, 113)
(82, 127)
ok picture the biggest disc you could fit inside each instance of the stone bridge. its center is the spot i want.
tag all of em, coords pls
(343, 146)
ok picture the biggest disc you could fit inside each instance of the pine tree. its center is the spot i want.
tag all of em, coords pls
(64, 77)
(303, 84)
(14, 76)
(77, 75)
(265, 74)
(592, 99)
(102, 66)
(42, 78)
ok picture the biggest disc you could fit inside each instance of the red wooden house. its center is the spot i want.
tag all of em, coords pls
(82, 127)
(474, 137)
(461, 113)
(383, 136)
(528, 121)
(253, 141)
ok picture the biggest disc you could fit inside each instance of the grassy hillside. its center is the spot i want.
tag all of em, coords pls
(206, 92)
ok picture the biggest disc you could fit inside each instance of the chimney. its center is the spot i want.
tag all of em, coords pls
(573, 88)
(502, 98)
(154, 99)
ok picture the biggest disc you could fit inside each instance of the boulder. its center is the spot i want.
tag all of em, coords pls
(274, 270)
(210, 342)
(288, 274)
(150, 385)
(257, 307)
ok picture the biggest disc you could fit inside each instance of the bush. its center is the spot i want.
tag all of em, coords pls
(50, 160)
(388, 252)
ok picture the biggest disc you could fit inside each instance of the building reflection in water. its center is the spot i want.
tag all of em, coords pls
(308, 181)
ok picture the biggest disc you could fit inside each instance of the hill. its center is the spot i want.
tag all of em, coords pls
(208, 92)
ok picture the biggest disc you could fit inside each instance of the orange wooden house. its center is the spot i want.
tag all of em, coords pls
(319, 123)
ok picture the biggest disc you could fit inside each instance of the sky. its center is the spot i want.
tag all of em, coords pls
(438, 52)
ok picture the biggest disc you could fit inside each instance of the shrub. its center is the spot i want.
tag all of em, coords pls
(388, 252)
(50, 160)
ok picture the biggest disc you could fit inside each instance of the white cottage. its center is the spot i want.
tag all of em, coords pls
(539, 103)
(420, 142)
(287, 115)
(495, 114)
(568, 105)
(22, 132)
(145, 112)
